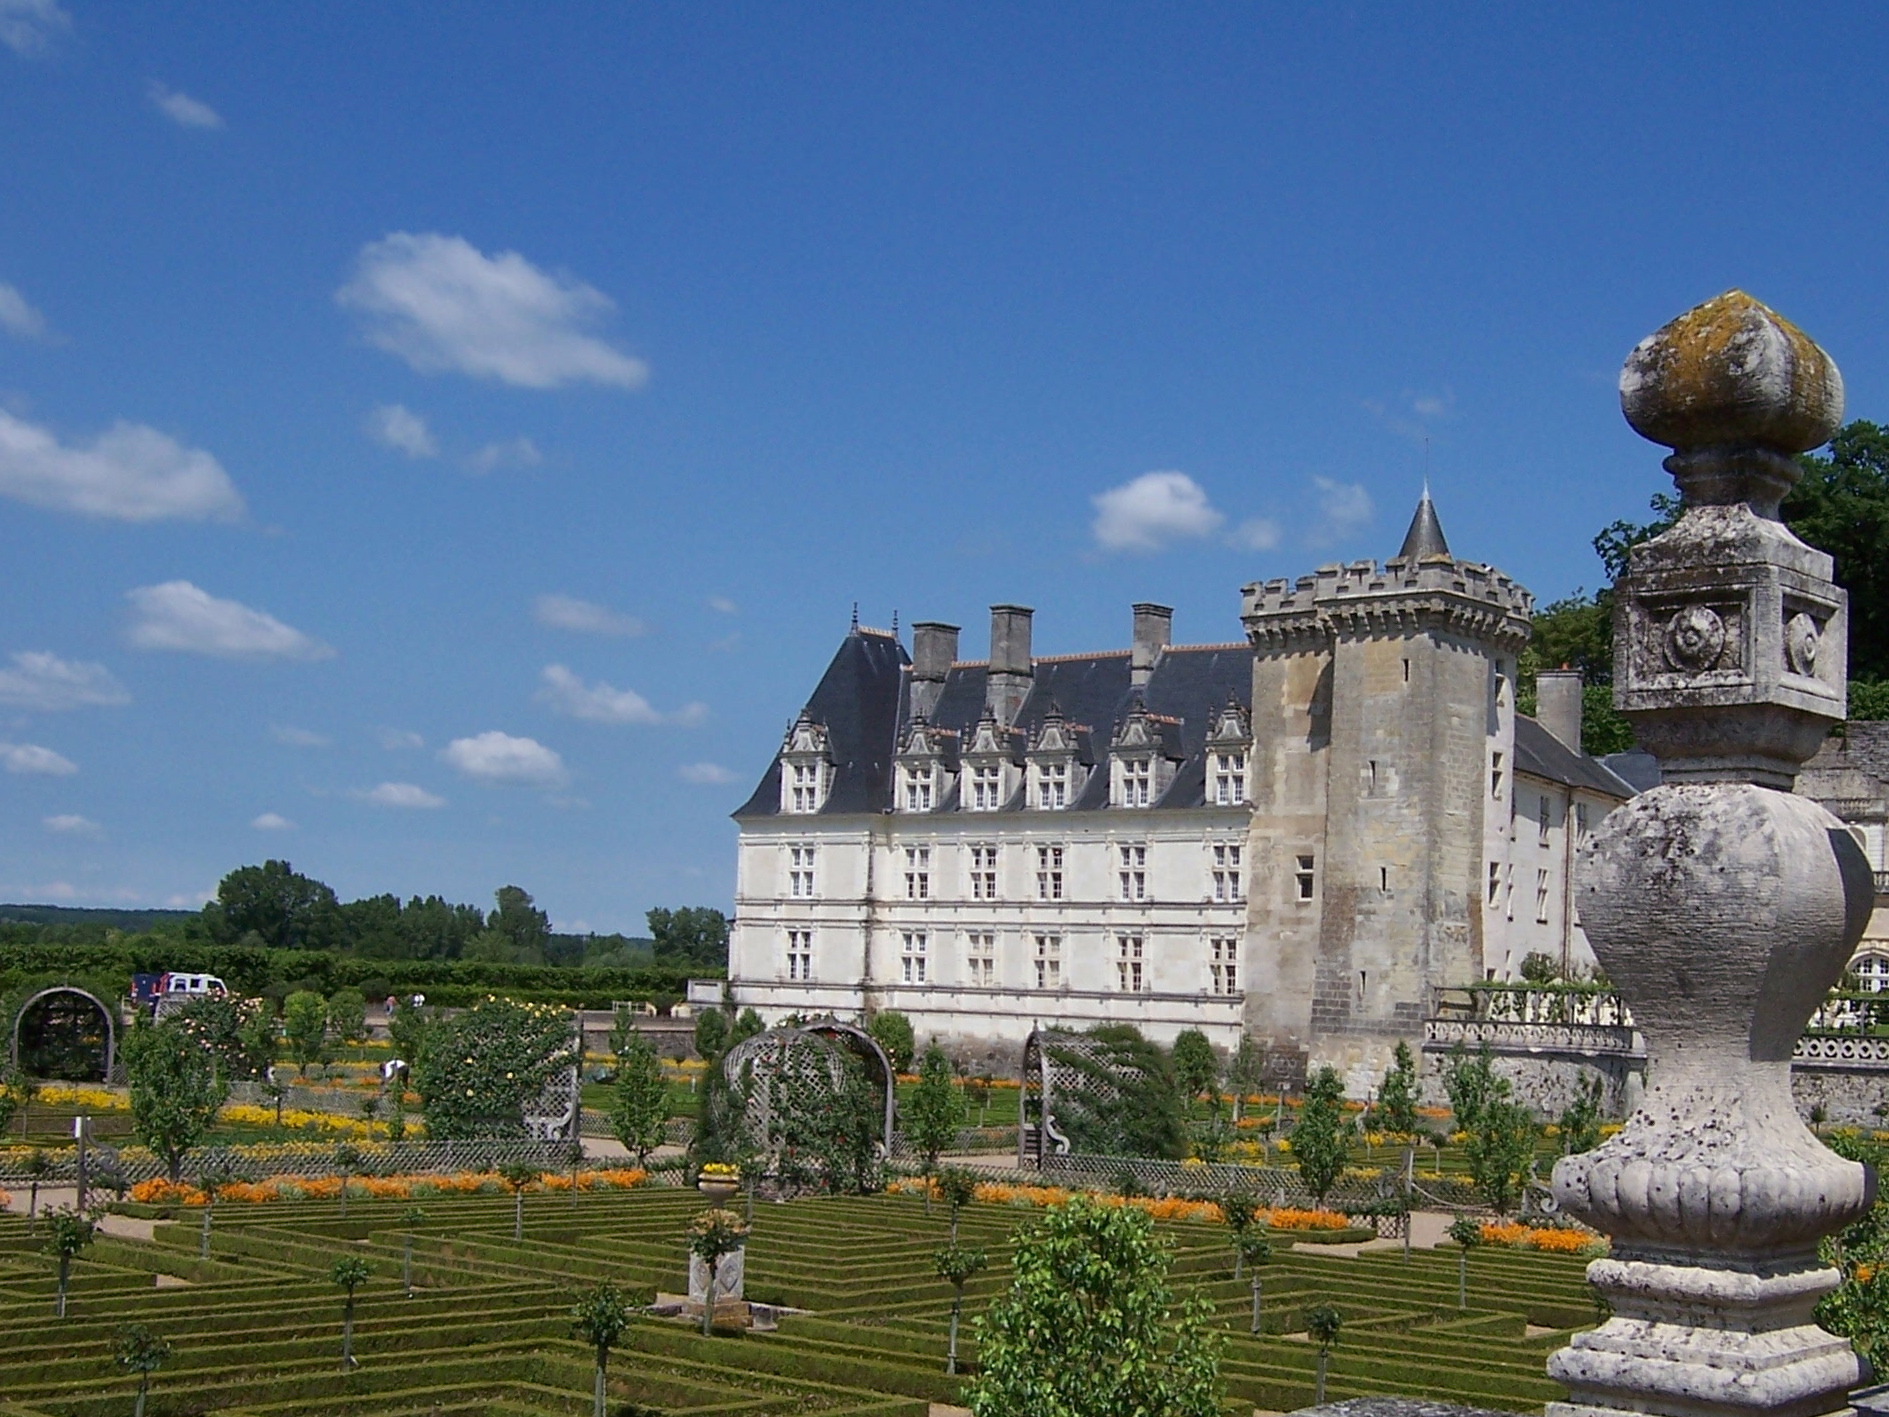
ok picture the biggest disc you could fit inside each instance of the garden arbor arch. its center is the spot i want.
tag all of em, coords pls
(793, 1066)
(1074, 1072)
(66, 1032)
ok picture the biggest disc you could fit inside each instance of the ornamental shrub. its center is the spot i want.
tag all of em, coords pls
(175, 1089)
(482, 1067)
(892, 1031)
(1318, 1139)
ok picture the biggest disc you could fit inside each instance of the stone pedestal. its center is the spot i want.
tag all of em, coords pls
(729, 1276)
(1722, 907)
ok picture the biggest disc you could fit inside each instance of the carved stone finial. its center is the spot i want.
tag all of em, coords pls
(1723, 908)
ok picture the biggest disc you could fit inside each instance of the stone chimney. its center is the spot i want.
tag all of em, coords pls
(934, 650)
(1154, 627)
(1007, 684)
(1558, 704)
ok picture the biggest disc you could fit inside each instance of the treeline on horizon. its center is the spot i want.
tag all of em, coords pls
(272, 931)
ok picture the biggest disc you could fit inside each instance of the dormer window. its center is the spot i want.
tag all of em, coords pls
(1052, 786)
(1229, 779)
(1137, 783)
(806, 767)
(921, 787)
(926, 765)
(1227, 747)
(806, 787)
(986, 787)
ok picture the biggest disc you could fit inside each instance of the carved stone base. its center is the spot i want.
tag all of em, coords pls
(1691, 1341)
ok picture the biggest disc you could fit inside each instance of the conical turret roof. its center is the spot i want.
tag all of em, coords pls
(1425, 537)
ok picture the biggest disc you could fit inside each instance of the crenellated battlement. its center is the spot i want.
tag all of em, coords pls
(1398, 597)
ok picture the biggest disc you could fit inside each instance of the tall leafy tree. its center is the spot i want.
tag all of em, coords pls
(1319, 1143)
(305, 1028)
(1842, 506)
(175, 1088)
(483, 1065)
(692, 937)
(1090, 1325)
(347, 1015)
(1196, 1065)
(1397, 1094)
(1471, 1082)
(934, 1113)
(1499, 1150)
(639, 1108)
(283, 908)
(711, 1035)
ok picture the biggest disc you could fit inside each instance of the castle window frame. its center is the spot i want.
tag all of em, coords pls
(1049, 872)
(1305, 878)
(804, 784)
(1052, 786)
(1049, 961)
(920, 787)
(800, 955)
(987, 788)
(1495, 882)
(1541, 896)
(983, 871)
(1223, 963)
(1137, 782)
(980, 959)
(1229, 778)
(918, 873)
(1547, 819)
(1133, 873)
(1228, 887)
(1495, 773)
(800, 879)
(1129, 975)
(912, 956)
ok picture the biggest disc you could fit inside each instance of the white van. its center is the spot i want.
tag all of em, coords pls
(193, 984)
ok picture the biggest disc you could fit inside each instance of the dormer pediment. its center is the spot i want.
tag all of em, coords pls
(1231, 725)
(991, 739)
(1141, 732)
(807, 737)
(924, 739)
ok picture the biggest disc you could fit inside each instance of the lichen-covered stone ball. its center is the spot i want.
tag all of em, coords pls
(1732, 372)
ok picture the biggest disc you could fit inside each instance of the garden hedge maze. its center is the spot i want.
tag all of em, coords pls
(255, 1329)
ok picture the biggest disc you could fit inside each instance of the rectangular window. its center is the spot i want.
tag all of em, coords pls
(800, 954)
(1049, 961)
(912, 956)
(1580, 822)
(804, 782)
(980, 959)
(1134, 872)
(1224, 963)
(918, 873)
(1495, 881)
(1137, 783)
(983, 873)
(1128, 963)
(800, 872)
(1229, 779)
(1052, 786)
(1049, 873)
(1547, 811)
(918, 789)
(986, 785)
(1508, 887)
(1495, 774)
(1226, 873)
(1305, 879)
(1541, 897)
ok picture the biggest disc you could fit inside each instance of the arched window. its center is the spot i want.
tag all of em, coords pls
(1872, 973)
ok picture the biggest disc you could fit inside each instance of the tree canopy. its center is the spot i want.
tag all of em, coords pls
(694, 936)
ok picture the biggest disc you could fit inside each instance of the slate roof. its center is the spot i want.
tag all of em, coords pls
(865, 703)
(1540, 754)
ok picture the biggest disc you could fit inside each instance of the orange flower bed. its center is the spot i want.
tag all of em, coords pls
(1289, 1219)
(159, 1191)
(1550, 1240)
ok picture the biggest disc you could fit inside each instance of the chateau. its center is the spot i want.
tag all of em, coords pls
(1299, 835)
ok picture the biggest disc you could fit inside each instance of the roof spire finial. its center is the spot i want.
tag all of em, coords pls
(855, 617)
(1425, 537)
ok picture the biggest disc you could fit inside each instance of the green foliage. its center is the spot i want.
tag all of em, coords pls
(350, 1272)
(1246, 1070)
(711, 1035)
(175, 1089)
(1397, 1094)
(1842, 506)
(600, 1317)
(720, 1121)
(1322, 1324)
(746, 1026)
(411, 1030)
(1126, 1103)
(840, 1132)
(137, 1350)
(692, 938)
(1088, 1329)
(1869, 700)
(935, 1110)
(1466, 1232)
(1499, 1150)
(520, 924)
(347, 1015)
(958, 1266)
(239, 1033)
(958, 1188)
(716, 1232)
(1471, 1082)
(1540, 968)
(1196, 1065)
(483, 1065)
(1580, 1120)
(1858, 1309)
(1254, 1247)
(639, 1106)
(282, 908)
(1319, 1140)
(68, 1233)
(13, 1093)
(305, 1028)
(892, 1031)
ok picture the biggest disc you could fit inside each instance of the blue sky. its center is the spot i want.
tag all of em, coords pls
(442, 445)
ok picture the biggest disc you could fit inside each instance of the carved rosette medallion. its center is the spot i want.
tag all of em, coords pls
(1695, 638)
(1801, 639)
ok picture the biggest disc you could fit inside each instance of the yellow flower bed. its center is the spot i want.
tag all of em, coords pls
(1554, 1241)
(417, 1185)
(87, 1099)
(1163, 1208)
(251, 1114)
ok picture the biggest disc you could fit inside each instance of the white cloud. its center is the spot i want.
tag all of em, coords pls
(567, 612)
(72, 824)
(17, 317)
(31, 758)
(495, 757)
(29, 27)
(394, 739)
(179, 616)
(272, 822)
(723, 604)
(46, 682)
(1152, 512)
(400, 794)
(1343, 508)
(400, 428)
(600, 703)
(442, 305)
(298, 737)
(1257, 534)
(129, 472)
(708, 774)
(182, 109)
(494, 457)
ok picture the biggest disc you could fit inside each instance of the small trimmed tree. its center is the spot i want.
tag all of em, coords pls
(1245, 1072)
(934, 1113)
(347, 1015)
(957, 1267)
(892, 1031)
(712, 1234)
(68, 1234)
(1322, 1323)
(1238, 1209)
(485, 1064)
(1471, 1082)
(711, 1035)
(1580, 1119)
(1086, 1326)
(747, 1023)
(137, 1350)
(175, 1090)
(1196, 1066)
(518, 1175)
(1499, 1151)
(958, 1188)
(600, 1317)
(639, 1108)
(305, 1028)
(1396, 1109)
(38, 1165)
(1256, 1250)
(347, 1161)
(211, 1177)
(1467, 1233)
(1319, 1145)
(411, 1217)
(350, 1272)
